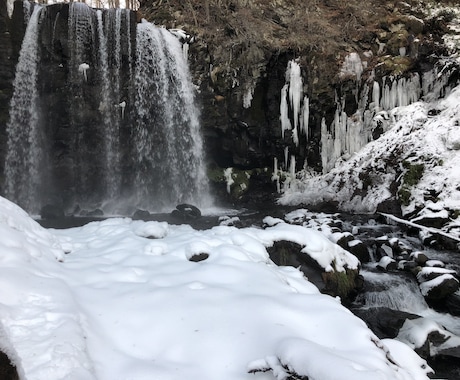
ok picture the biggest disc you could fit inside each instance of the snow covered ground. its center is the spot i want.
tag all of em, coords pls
(423, 136)
(122, 299)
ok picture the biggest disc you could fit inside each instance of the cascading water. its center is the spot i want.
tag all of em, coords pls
(392, 291)
(23, 163)
(117, 115)
(166, 136)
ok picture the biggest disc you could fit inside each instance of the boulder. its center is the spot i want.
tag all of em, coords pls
(386, 264)
(384, 322)
(186, 212)
(359, 249)
(439, 287)
(7, 369)
(452, 303)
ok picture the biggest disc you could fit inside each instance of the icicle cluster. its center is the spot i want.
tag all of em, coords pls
(294, 106)
(348, 134)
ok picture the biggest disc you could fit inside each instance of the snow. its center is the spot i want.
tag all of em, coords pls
(119, 299)
(415, 333)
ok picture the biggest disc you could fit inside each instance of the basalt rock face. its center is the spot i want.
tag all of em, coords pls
(241, 50)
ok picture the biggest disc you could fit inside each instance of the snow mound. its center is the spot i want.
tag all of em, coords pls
(121, 305)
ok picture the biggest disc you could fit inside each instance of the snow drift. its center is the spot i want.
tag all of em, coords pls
(121, 299)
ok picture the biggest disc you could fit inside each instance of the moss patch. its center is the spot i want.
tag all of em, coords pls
(341, 284)
(411, 177)
(237, 181)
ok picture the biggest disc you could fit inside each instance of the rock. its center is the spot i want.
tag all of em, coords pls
(430, 273)
(390, 206)
(359, 249)
(384, 249)
(141, 215)
(343, 284)
(419, 257)
(384, 322)
(7, 369)
(408, 266)
(198, 257)
(440, 287)
(387, 264)
(452, 303)
(186, 212)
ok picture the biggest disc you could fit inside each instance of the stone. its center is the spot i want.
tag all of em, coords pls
(384, 322)
(387, 264)
(360, 250)
(452, 303)
(198, 257)
(7, 369)
(440, 287)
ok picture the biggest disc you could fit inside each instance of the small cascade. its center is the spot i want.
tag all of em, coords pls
(104, 114)
(109, 66)
(81, 31)
(392, 291)
(25, 156)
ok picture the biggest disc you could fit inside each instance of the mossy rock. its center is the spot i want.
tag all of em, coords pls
(412, 176)
(240, 179)
(343, 284)
(395, 65)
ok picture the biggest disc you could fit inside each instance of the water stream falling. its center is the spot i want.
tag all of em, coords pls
(116, 128)
(24, 150)
(166, 135)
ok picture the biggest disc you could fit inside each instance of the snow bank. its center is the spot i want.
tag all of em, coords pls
(126, 302)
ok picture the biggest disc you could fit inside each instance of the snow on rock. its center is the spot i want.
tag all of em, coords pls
(121, 305)
(439, 287)
(387, 263)
(416, 332)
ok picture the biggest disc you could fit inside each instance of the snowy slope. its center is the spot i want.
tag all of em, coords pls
(120, 299)
(424, 135)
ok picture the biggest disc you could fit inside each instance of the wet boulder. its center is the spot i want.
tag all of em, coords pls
(439, 287)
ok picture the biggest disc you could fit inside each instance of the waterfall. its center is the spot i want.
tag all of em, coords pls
(394, 292)
(104, 115)
(166, 135)
(24, 156)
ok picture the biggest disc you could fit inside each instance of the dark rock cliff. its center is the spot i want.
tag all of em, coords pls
(241, 50)
(238, 57)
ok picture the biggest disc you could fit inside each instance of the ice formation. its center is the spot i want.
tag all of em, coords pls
(294, 106)
(347, 134)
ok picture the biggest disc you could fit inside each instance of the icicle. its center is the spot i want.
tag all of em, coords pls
(295, 94)
(275, 176)
(122, 105)
(352, 66)
(286, 156)
(292, 167)
(284, 115)
(376, 95)
(247, 97)
(82, 69)
(305, 116)
(228, 178)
